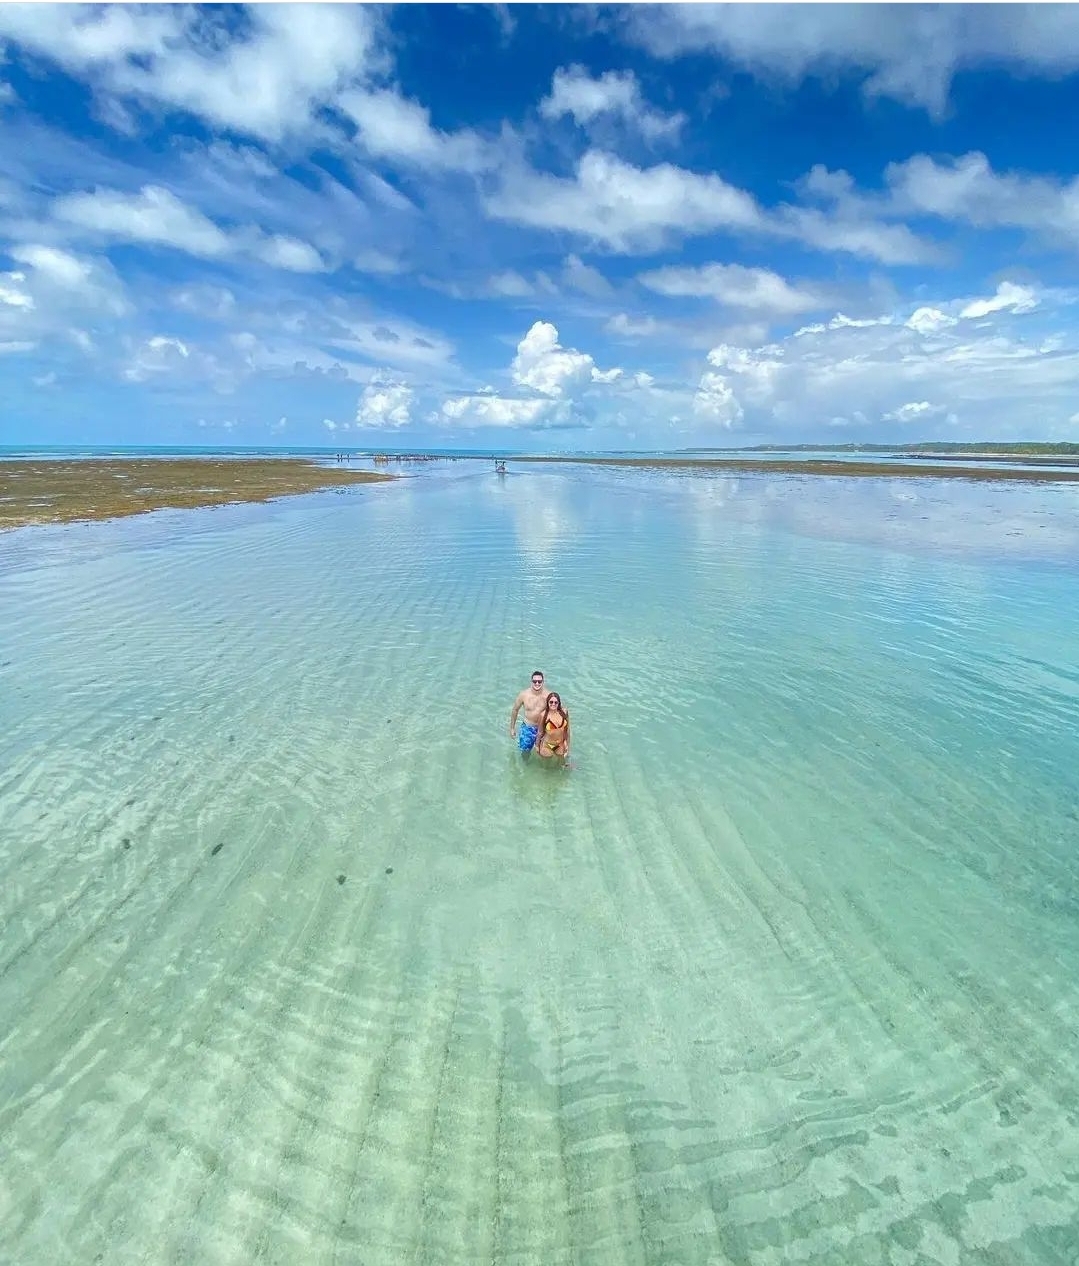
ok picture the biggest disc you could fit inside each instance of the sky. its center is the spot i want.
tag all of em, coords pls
(538, 228)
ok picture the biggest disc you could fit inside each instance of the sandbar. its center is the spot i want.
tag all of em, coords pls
(65, 491)
(820, 466)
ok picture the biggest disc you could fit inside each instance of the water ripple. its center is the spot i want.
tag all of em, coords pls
(299, 961)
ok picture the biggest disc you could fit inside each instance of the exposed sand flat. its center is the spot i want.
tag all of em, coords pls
(63, 491)
(1022, 459)
(820, 466)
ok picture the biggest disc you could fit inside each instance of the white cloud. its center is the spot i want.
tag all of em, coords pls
(499, 411)
(625, 326)
(391, 127)
(855, 233)
(930, 370)
(715, 400)
(91, 283)
(156, 217)
(614, 94)
(928, 320)
(626, 209)
(157, 355)
(904, 52)
(52, 293)
(544, 365)
(622, 207)
(914, 411)
(384, 403)
(557, 387)
(390, 342)
(1009, 297)
(967, 190)
(153, 216)
(267, 77)
(733, 285)
(12, 292)
(281, 251)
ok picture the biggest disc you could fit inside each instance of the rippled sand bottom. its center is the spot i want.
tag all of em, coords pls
(300, 962)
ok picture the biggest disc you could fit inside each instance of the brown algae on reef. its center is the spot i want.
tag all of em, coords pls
(64, 491)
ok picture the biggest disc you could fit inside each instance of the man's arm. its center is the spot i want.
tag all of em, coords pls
(516, 708)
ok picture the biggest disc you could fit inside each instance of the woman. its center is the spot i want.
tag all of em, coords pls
(553, 739)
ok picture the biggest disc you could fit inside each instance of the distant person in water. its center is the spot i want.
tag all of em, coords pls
(533, 701)
(553, 739)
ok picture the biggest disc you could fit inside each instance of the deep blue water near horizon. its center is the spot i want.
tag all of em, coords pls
(299, 961)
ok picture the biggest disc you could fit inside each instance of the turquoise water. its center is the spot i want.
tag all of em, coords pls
(300, 962)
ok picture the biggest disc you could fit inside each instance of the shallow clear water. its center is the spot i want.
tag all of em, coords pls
(300, 962)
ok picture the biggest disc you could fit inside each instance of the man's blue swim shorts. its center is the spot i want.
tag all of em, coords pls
(526, 736)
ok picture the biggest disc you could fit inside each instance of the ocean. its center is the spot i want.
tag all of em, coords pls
(301, 961)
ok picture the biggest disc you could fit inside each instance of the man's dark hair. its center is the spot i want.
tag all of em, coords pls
(537, 672)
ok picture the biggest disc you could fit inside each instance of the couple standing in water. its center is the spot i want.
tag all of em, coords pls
(545, 727)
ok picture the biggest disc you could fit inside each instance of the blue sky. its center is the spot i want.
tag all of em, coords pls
(538, 227)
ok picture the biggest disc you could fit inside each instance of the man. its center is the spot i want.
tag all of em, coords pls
(533, 700)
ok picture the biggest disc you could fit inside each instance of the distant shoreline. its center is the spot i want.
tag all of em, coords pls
(69, 491)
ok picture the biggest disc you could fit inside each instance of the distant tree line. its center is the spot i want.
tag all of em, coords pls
(1028, 447)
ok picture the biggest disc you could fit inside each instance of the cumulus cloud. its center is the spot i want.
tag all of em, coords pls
(926, 320)
(615, 94)
(492, 410)
(909, 53)
(716, 401)
(555, 386)
(384, 404)
(927, 368)
(544, 365)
